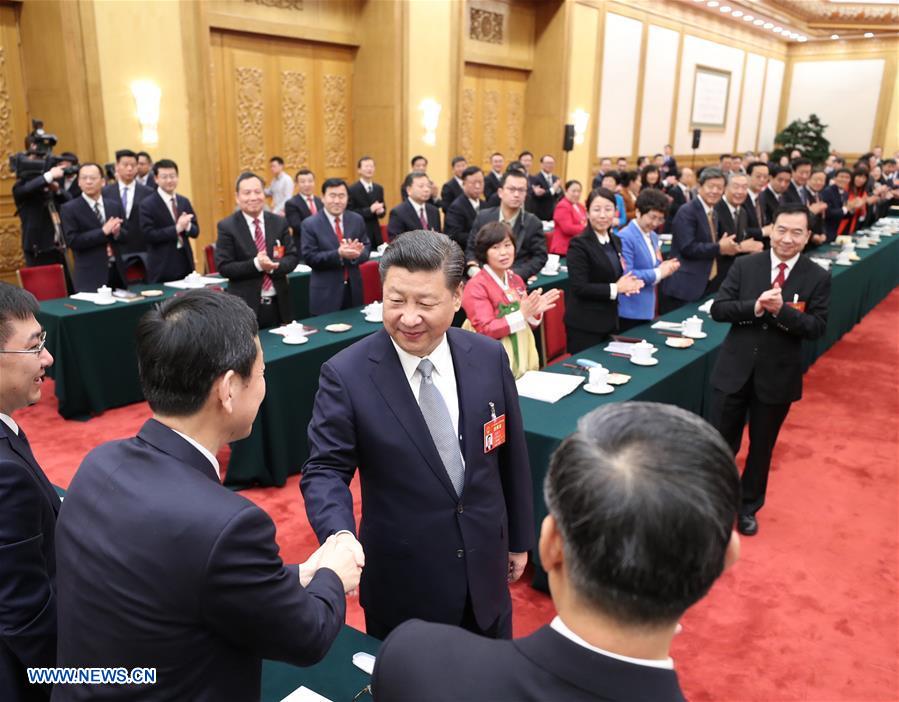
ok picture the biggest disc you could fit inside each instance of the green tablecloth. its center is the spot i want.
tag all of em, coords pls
(335, 677)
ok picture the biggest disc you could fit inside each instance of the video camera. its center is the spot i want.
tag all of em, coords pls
(38, 158)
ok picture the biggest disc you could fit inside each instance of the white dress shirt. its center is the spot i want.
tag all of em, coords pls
(475, 205)
(603, 240)
(10, 422)
(775, 263)
(559, 626)
(281, 191)
(443, 377)
(94, 203)
(202, 449)
(252, 227)
(169, 200)
(130, 201)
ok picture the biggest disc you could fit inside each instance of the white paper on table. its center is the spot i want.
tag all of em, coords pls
(193, 283)
(304, 694)
(620, 347)
(283, 330)
(667, 326)
(547, 387)
(302, 268)
(94, 297)
(706, 306)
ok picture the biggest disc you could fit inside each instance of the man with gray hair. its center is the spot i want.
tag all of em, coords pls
(430, 415)
(632, 541)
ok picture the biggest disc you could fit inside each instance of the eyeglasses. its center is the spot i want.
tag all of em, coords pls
(36, 350)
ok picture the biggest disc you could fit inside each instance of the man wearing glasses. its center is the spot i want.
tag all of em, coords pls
(530, 242)
(28, 507)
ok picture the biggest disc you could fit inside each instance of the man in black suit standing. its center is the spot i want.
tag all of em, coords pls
(255, 251)
(493, 178)
(419, 164)
(39, 200)
(774, 300)
(545, 190)
(613, 496)
(415, 212)
(131, 194)
(801, 170)
(758, 181)
(734, 217)
(304, 204)
(145, 170)
(773, 196)
(95, 229)
(28, 508)
(462, 213)
(160, 565)
(367, 200)
(530, 241)
(169, 223)
(453, 187)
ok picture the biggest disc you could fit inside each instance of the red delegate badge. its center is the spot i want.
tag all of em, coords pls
(494, 431)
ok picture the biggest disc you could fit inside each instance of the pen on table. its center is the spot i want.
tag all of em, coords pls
(71, 307)
(621, 355)
(571, 365)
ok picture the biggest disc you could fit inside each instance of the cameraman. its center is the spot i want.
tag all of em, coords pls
(38, 200)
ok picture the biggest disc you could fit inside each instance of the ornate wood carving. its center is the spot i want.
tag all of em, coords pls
(484, 25)
(514, 125)
(11, 256)
(282, 4)
(489, 118)
(466, 126)
(250, 141)
(335, 121)
(6, 147)
(293, 118)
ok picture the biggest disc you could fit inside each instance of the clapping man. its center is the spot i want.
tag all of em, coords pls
(304, 204)
(367, 200)
(546, 189)
(453, 187)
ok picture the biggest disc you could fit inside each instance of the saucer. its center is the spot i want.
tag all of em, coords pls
(339, 327)
(843, 263)
(102, 301)
(599, 389)
(151, 293)
(545, 272)
(295, 341)
(700, 335)
(650, 362)
(676, 343)
(374, 320)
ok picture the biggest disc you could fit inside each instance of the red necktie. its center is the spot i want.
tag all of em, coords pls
(781, 277)
(174, 209)
(339, 233)
(311, 205)
(267, 283)
(423, 219)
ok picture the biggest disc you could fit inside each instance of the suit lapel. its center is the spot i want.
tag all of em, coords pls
(24, 452)
(246, 238)
(390, 380)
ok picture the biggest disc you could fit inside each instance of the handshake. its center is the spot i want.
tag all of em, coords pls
(341, 553)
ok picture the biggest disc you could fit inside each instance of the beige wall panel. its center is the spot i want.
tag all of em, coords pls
(774, 75)
(752, 99)
(658, 89)
(582, 79)
(516, 50)
(492, 113)
(841, 94)
(620, 70)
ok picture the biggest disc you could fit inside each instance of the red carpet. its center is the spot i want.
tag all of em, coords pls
(811, 611)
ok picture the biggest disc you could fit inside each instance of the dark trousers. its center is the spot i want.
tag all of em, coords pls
(577, 339)
(268, 315)
(500, 629)
(347, 301)
(624, 323)
(729, 415)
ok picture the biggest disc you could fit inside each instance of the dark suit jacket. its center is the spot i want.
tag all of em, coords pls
(151, 181)
(234, 254)
(73, 190)
(768, 348)
(360, 202)
(404, 218)
(318, 243)
(425, 548)
(692, 244)
(448, 193)
(296, 209)
(31, 198)
(491, 184)
(135, 243)
(836, 199)
(588, 305)
(530, 241)
(678, 200)
(459, 218)
(165, 261)
(84, 235)
(28, 567)
(161, 566)
(439, 663)
(791, 194)
(542, 206)
(769, 203)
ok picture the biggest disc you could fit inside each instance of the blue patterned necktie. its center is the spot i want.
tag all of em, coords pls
(437, 417)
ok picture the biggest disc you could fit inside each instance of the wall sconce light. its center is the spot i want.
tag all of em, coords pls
(146, 97)
(580, 119)
(430, 118)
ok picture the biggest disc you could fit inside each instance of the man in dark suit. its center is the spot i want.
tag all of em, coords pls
(734, 217)
(39, 200)
(95, 229)
(161, 566)
(334, 244)
(453, 187)
(427, 397)
(816, 206)
(493, 178)
(669, 163)
(462, 213)
(169, 223)
(145, 170)
(699, 244)
(304, 204)
(545, 190)
(613, 496)
(419, 164)
(801, 170)
(28, 508)
(69, 182)
(774, 300)
(773, 196)
(130, 193)
(367, 200)
(530, 241)
(839, 209)
(415, 212)
(255, 252)
(605, 166)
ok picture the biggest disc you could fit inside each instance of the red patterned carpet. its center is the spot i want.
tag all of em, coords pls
(811, 611)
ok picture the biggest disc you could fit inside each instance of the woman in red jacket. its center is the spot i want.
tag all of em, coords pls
(497, 302)
(570, 218)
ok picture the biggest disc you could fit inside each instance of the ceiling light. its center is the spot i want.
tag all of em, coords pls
(768, 25)
(834, 36)
(712, 3)
(868, 35)
(778, 30)
(759, 22)
(724, 9)
(748, 18)
(738, 13)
